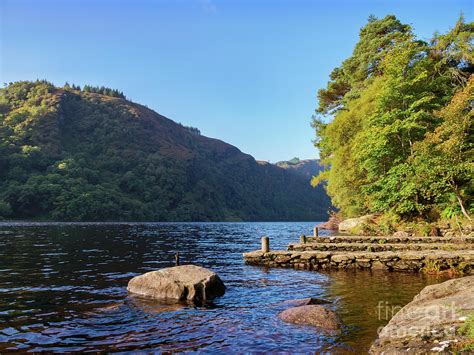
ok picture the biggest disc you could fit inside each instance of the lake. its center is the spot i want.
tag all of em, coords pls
(63, 288)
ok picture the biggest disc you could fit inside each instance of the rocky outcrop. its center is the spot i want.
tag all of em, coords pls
(349, 224)
(332, 223)
(315, 315)
(186, 282)
(429, 323)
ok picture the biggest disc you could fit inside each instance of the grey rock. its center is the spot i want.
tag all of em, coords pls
(401, 234)
(342, 257)
(348, 224)
(315, 315)
(186, 282)
(307, 301)
(434, 314)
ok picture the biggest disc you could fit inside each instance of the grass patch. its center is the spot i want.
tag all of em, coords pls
(466, 330)
(431, 267)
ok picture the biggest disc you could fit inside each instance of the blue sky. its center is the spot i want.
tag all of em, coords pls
(246, 72)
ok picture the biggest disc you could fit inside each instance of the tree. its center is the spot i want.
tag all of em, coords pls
(375, 41)
(381, 144)
(444, 160)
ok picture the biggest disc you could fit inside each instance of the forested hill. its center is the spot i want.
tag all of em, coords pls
(91, 155)
(307, 167)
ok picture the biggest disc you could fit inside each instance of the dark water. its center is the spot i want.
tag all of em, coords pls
(63, 288)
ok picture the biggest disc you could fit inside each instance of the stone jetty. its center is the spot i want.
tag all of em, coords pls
(391, 253)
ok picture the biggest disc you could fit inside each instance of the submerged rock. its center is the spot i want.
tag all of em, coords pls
(430, 320)
(315, 315)
(185, 282)
(307, 301)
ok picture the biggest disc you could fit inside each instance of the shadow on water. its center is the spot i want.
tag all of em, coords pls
(63, 288)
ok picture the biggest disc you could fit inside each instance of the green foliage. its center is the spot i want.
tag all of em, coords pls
(5, 209)
(295, 160)
(401, 140)
(83, 155)
(467, 328)
(376, 39)
(431, 267)
(102, 90)
(345, 179)
(388, 223)
(193, 130)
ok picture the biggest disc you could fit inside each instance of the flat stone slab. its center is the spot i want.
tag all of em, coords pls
(461, 260)
(389, 239)
(378, 247)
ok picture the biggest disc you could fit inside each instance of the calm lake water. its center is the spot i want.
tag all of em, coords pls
(63, 288)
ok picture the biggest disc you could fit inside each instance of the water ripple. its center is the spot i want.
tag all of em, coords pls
(63, 288)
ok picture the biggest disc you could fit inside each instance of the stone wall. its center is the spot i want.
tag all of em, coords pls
(389, 239)
(378, 247)
(439, 260)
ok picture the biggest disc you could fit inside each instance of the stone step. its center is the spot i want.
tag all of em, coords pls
(377, 247)
(428, 260)
(389, 240)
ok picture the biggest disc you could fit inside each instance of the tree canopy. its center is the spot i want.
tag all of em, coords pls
(394, 124)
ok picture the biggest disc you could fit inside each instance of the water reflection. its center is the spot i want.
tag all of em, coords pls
(63, 288)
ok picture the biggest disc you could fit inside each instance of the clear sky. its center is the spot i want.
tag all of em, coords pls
(246, 72)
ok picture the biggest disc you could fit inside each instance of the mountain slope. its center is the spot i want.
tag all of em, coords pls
(66, 154)
(307, 168)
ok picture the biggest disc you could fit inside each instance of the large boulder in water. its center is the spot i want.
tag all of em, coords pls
(185, 282)
(316, 315)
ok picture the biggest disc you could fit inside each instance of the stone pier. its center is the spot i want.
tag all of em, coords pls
(431, 254)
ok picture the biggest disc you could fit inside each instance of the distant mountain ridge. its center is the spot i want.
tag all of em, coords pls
(67, 154)
(307, 168)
